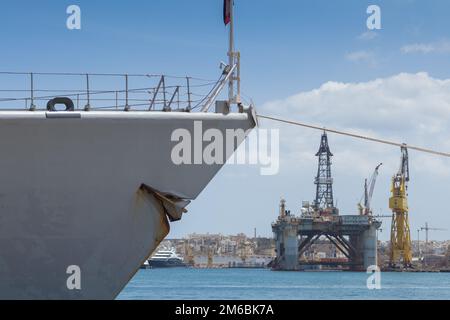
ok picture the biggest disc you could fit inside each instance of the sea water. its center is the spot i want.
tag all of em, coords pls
(260, 284)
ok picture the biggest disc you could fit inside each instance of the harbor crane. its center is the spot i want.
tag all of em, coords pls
(365, 209)
(210, 257)
(400, 246)
(427, 228)
(188, 254)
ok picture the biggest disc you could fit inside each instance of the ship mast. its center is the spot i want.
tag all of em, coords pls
(232, 72)
(233, 59)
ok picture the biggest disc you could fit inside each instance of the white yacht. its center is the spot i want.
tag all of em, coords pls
(165, 259)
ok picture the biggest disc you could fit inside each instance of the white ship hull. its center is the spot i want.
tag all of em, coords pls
(71, 195)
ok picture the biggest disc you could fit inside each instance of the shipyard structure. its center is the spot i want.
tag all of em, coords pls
(353, 236)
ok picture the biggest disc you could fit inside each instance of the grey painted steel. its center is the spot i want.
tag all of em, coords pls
(70, 195)
(286, 245)
(361, 231)
(369, 238)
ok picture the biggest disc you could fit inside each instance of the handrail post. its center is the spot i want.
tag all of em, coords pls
(167, 108)
(164, 91)
(161, 81)
(87, 107)
(32, 106)
(189, 94)
(127, 107)
(178, 97)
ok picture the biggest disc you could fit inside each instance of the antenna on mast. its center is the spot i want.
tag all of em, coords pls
(234, 58)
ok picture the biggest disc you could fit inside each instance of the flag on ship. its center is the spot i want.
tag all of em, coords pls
(227, 11)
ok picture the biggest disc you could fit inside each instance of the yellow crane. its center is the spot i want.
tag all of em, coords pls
(210, 257)
(188, 254)
(400, 247)
(447, 257)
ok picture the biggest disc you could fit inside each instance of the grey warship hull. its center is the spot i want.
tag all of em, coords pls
(92, 190)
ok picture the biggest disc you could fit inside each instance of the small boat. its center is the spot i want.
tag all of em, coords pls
(165, 259)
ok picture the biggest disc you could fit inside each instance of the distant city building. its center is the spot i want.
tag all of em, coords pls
(225, 250)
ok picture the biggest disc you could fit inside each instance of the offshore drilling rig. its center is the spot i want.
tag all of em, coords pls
(355, 236)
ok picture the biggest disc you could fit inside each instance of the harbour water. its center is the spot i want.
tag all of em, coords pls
(256, 284)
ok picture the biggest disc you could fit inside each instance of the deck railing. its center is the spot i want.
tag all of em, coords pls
(101, 91)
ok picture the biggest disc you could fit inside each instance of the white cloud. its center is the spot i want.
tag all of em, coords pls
(368, 35)
(425, 48)
(362, 56)
(411, 108)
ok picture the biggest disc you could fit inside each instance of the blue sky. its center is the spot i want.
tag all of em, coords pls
(287, 47)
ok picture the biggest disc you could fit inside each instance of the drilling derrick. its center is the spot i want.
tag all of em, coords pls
(324, 181)
(400, 251)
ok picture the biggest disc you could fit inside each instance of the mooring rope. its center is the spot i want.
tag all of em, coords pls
(353, 135)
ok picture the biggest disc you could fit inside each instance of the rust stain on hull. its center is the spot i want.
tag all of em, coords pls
(173, 206)
(146, 208)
